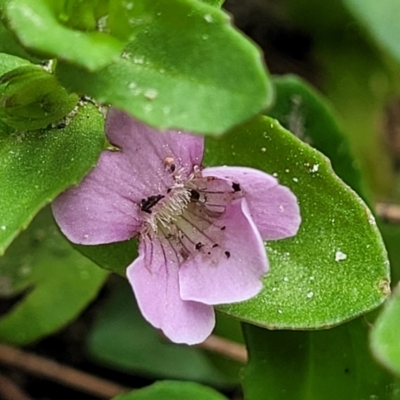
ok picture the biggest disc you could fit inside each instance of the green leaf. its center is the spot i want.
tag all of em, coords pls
(36, 166)
(173, 390)
(385, 343)
(329, 364)
(121, 339)
(115, 257)
(309, 116)
(9, 62)
(9, 45)
(37, 26)
(185, 67)
(31, 98)
(336, 267)
(380, 19)
(215, 3)
(57, 282)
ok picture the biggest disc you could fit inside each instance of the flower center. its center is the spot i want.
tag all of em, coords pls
(187, 218)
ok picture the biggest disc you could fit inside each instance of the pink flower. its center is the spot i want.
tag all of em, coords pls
(200, 230)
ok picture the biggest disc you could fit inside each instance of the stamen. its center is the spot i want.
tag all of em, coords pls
(186, 218)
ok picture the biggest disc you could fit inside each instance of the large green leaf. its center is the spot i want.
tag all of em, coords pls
(121, 339)
(36, 166)
(336, 267)
(173, 390)
(380, 19)
(309, 116)
(385, 340)
(37, 24)
(330, 364)
(184, 67)
(55, 280)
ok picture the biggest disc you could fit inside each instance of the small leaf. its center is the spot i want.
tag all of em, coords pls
(57, 282)
(336, 267)
(162, 81)
(173, 390)
(380, 19)
(37, 25)
(329, 364)
(36, 166)
(9, 62)
(31, 98)
(385, 343)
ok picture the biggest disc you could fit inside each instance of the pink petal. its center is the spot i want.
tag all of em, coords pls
(100, 209)
(105, 207)
(234, 272)
(146, 150)
(273, 207)
(154, 279)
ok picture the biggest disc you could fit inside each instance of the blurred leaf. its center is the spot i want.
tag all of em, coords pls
(330, 364)
(336, 267)
(385, 340)
(123, 340)
(9, 45)
(58, 282)
(36, 166)
(173, 390)
(381, 21)
(391, 236)
(308, 115)
(185, 67)
(359, 81)
(37, 25)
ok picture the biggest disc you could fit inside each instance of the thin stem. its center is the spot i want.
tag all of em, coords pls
(43, 367)
(225, 347)
(10, 391)
(388, 212)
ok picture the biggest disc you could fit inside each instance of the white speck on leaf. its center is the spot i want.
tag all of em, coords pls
(208, 18)
(295, 180)
(315, 168)
(150, 94)
(3, 227)
(340, 256)
(310, 295)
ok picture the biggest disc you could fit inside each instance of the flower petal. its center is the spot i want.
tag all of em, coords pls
(147, 150)
(105, 207)
(154, 279)
(234, 272)
(99, 210)
(273, 207)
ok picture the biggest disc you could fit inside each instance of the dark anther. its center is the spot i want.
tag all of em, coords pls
(172, 167)
(228, 254)
(209, 253)
(198, 246)
(236, 187)
(215, 245)
(194, 195)
(223, 228)
(147, 204)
